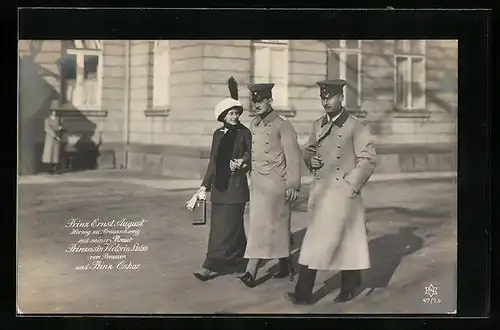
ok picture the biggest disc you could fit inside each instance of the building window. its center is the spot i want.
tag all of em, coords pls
(344, 62)
(270, 64)
(409, 74)
(81, 73)
(161, 74)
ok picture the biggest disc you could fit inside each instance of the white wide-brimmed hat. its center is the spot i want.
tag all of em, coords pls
(226, 104)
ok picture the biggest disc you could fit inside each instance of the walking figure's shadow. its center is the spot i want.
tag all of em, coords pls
(296, 240)
(386, 253)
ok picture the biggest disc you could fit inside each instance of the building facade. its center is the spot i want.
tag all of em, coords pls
(148, 104)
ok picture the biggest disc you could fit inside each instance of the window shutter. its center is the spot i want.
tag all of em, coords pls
(262, 64)
(333, 65)
(401, 82)
(279, 76)
(161, 78)
(351, 98)
(417, 87)
(90, 80)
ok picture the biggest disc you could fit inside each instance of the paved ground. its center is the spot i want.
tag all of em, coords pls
(413, 244)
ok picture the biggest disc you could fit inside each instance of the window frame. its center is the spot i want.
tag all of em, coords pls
(343, 51)
(269, 45)
(409, 56)
(80, 58)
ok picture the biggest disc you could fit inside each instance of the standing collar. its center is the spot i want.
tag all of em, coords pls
(339, 120)
(267, 119)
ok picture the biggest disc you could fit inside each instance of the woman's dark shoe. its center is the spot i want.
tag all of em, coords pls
(296, 299)
(248, 280)
(206, 276)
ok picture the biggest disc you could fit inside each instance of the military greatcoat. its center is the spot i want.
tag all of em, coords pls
(336, 236)
(52, 144)
(276, 166)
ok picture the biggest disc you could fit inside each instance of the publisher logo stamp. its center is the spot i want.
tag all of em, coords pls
(431, 295)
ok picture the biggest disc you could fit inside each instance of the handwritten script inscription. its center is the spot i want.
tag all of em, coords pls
(107, 244)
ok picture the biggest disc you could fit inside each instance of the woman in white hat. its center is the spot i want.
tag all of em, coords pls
(226, 180)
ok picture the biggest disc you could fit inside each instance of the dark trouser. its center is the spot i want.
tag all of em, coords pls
(51, 167)
(285, 264)
(253, 265)
(350, 280)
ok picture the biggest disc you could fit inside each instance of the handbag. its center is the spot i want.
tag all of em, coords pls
(200, 217)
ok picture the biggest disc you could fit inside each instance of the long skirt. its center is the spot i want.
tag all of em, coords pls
(227, 241)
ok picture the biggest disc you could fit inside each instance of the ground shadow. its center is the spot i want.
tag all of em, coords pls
(386, 253)
(297, 238)
(414, 213)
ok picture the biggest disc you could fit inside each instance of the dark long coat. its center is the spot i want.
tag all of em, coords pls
(236, 189)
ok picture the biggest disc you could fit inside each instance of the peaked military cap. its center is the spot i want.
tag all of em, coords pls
(261, 91)
(329, 88)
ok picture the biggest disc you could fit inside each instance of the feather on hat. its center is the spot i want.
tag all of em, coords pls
(228, 103)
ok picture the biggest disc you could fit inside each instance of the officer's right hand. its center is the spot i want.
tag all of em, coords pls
(316, 162)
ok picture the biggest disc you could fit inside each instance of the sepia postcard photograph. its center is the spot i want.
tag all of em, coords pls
(211, 176)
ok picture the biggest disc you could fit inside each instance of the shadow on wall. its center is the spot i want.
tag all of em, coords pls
(447, 81)
(36, 96)
(82, 155)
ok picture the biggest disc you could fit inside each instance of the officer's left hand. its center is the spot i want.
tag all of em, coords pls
(291, 195)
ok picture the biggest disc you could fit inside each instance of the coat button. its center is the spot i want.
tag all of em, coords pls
(253, 133)
(268, 133)
(338, 157)
(318, 177)
(338, 168)
(267, 142)
(337, 178)
(338, 146)
(319, 145)
(340, 135)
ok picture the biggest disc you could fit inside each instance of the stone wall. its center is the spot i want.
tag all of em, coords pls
(176, 142)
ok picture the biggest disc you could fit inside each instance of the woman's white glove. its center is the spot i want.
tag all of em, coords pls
(200, 194)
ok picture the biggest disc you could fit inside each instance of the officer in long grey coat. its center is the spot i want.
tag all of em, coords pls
(52, 143)
(274, 185)
(341, 155)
